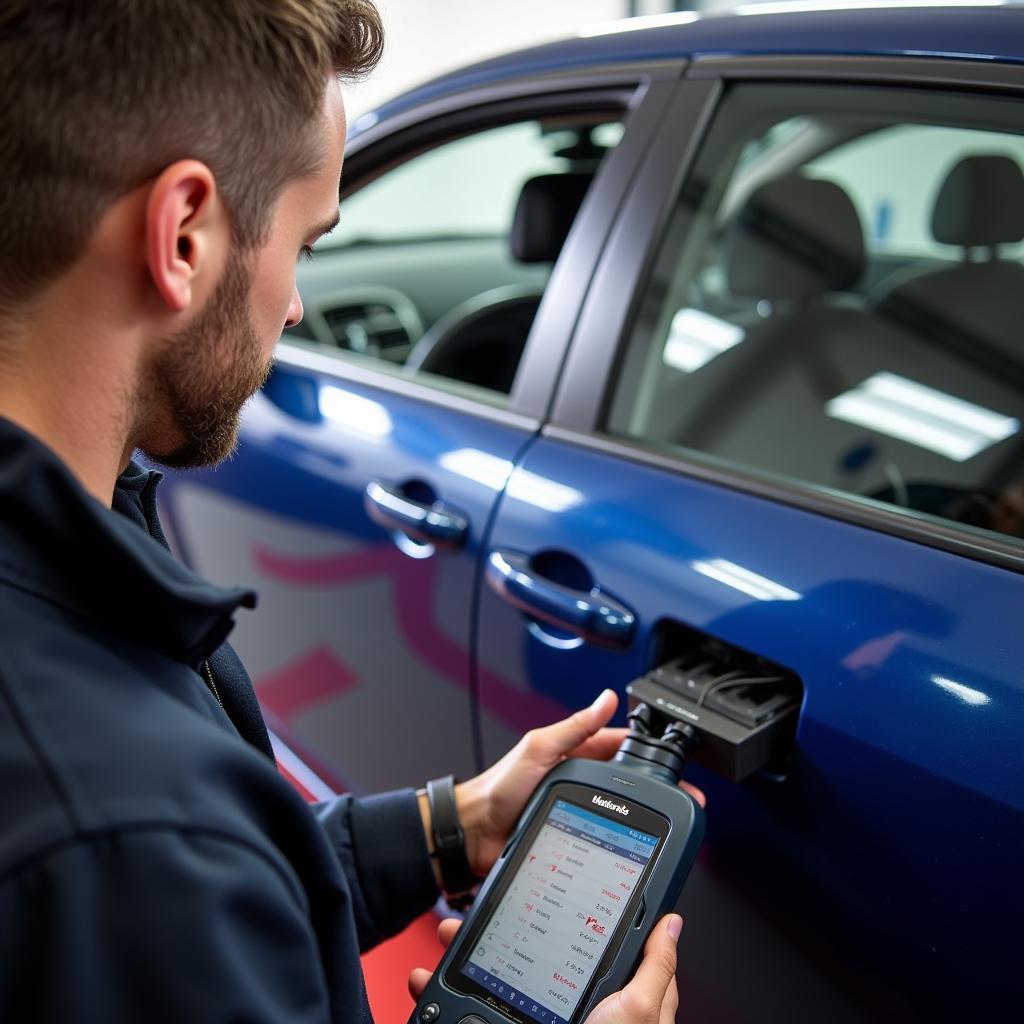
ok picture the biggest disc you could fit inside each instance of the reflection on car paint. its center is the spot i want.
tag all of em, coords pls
(354, 412)
(411, 605)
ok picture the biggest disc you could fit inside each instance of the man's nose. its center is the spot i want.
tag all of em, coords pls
(294, 309)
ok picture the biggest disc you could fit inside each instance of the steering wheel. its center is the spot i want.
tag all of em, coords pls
(481, 340)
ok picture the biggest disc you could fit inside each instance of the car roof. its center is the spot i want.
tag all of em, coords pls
(984, 31)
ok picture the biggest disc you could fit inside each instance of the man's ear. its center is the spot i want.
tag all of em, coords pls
(187, 231)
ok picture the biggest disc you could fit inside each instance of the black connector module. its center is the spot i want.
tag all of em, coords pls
(744, 713)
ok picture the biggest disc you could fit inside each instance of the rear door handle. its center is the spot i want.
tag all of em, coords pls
(432, 523)
(591, 614)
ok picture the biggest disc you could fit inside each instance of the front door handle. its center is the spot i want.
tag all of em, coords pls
(591, 614)
(431, 523)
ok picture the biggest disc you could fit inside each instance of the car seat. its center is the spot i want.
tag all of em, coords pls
(977, 305)
(796, 248)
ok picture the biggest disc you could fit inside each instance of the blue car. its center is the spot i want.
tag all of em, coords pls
(698, 341)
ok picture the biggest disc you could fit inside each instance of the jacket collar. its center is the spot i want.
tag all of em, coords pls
(57, 541)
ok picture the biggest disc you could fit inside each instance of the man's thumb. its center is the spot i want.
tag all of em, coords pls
(658, 967)
(558, 739)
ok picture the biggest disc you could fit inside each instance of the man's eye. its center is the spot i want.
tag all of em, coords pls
(306, 252)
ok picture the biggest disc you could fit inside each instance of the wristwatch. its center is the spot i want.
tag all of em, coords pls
(457, 878)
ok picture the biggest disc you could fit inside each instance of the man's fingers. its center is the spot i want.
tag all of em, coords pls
(420, 975)
(671, 1004)
(645, 995)
(697, 794)
(418, 982)
(601, 745)
(554, 741)
(446, 930)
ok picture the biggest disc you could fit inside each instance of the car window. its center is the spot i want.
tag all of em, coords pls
(895, 195)
(468, 187)
(837, 301)
(437, 266)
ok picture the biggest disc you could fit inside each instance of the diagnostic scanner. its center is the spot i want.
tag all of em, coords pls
(599, 855)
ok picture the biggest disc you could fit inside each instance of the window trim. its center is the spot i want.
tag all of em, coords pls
(370, 158)
(604, 324)
(625, 77)
(305, 357)
(643, 94)
(852, 509)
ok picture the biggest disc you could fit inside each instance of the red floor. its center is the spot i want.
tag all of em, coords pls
(387, 968)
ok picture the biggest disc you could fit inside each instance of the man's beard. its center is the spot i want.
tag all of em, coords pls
(202, 376)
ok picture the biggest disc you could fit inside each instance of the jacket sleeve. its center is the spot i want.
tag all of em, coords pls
(380, 843)
(158, 926)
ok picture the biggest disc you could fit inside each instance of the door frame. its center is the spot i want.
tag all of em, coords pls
(633, 245)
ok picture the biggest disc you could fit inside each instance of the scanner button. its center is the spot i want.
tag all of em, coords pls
(640, 914)
(430, 1013)
(472, 1019)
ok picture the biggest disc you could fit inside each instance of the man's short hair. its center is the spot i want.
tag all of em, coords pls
(99, 96)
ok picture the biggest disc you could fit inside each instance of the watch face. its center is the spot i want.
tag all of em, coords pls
(555, 917)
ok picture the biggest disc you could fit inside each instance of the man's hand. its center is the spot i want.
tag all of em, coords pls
(490, 804)
(420, 975)
(650, 998)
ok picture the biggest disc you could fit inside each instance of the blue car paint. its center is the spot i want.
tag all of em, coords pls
(855, 588)
(906, 792)
(299, 467)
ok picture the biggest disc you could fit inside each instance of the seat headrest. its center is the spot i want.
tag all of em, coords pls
(794, 238)
(981, 202)
(547, 206)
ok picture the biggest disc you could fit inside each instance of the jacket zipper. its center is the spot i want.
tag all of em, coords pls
(208, 679)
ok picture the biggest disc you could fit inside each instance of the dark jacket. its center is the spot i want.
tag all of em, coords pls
(154, 866)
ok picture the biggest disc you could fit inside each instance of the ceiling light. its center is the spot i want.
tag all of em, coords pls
(605, 28)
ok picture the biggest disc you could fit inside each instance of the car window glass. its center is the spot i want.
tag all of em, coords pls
(469, 186)
(837, 302)
(895, 196)
(438, 265)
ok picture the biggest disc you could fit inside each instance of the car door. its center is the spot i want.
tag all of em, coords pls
(369, 465)
(748, 448)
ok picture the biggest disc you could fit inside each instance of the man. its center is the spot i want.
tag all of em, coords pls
(163, 165)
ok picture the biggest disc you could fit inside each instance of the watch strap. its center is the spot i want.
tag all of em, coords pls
(449, 839)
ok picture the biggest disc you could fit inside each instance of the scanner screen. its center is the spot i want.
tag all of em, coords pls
(540, 947)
